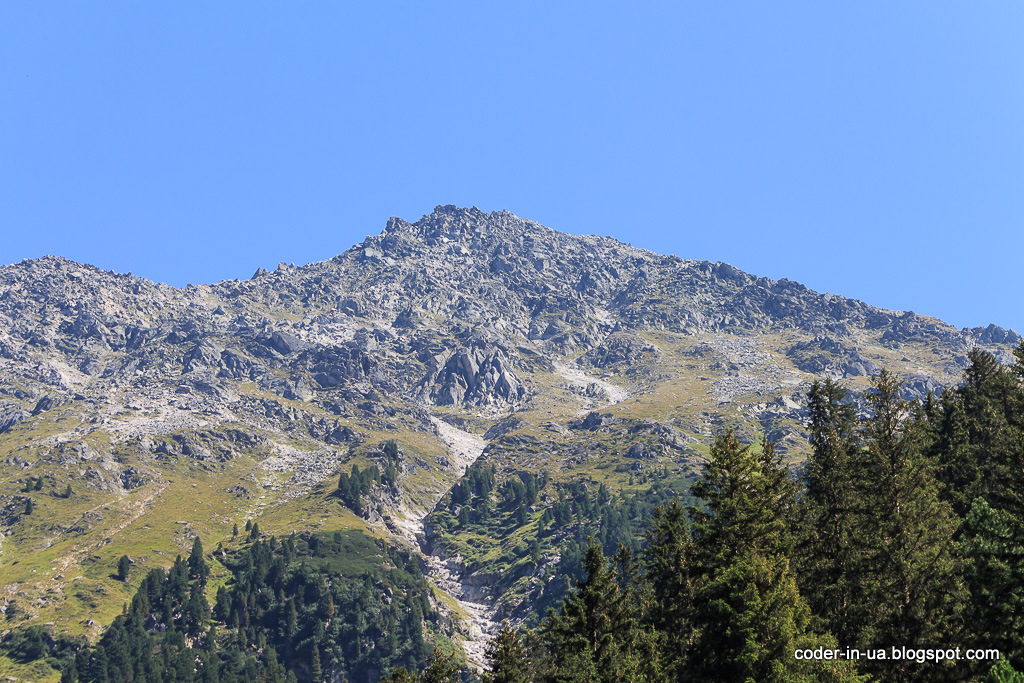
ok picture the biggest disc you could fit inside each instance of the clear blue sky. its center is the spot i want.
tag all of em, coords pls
(870, 149)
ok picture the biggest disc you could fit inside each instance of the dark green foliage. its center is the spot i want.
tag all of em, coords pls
(197, 568)
(29, 506)
(352, 487)
(978, 436)
(591, 637)
(68, 492)
(994, 548)
(828, 519)
(147, 642)
(977, 432)
(507, 658)
(1003, 672)
(124, 565)
(668, 547)
(294, 611)
(36, 643)
(442, 668)
(909, 591)
(747, 613)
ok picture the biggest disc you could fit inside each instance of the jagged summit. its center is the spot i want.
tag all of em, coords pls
(455, 222)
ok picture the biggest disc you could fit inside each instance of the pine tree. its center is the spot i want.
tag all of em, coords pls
(399, 675)
(978, 430)
(586, 637)
(978, 443)
(234, 531)
(507, 658)
(442, 667)
(29, 506)
(747, 612)
(315, 667)
(909, 591)
(668, 546)
(1003, 672)
(197, 568)
(124, 565)
(827, 516)
(993, 545)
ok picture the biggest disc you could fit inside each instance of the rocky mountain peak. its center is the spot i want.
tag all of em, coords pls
(470, 227)
(574, 354)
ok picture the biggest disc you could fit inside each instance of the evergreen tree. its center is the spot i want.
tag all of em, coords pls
(197, 568)
(315, 667)
(585, 637)
(1003, 672)
(826, 553)
(993, 545)
(909, 592)
(442, 667)
(506, 655)
(400, 675)
(978, 436)
(29, 506)
(747, 612)
(124, 565)
(668, 546)
(979, 445)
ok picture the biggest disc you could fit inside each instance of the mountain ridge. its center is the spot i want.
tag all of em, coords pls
(567, 361)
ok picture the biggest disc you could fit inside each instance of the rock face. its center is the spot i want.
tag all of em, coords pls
(478, 375)
(562, 351)
(431, 312)
(460, 308)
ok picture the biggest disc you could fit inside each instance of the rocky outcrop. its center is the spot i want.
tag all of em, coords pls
(620, 348)
(826, 356)
(477, 375)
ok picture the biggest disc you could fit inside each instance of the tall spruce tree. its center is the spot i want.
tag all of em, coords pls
(826, 549)
(979, 445)
(506, 655)
(197, 567)
(978, 436)
(585, 638)
(747, 613)
(908, 591)
(665, 557)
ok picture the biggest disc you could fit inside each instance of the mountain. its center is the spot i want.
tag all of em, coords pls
(524, 386)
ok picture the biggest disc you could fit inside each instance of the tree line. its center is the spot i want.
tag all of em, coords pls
(905, 530)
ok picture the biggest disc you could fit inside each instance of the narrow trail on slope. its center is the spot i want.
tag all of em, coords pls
(463, 450)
